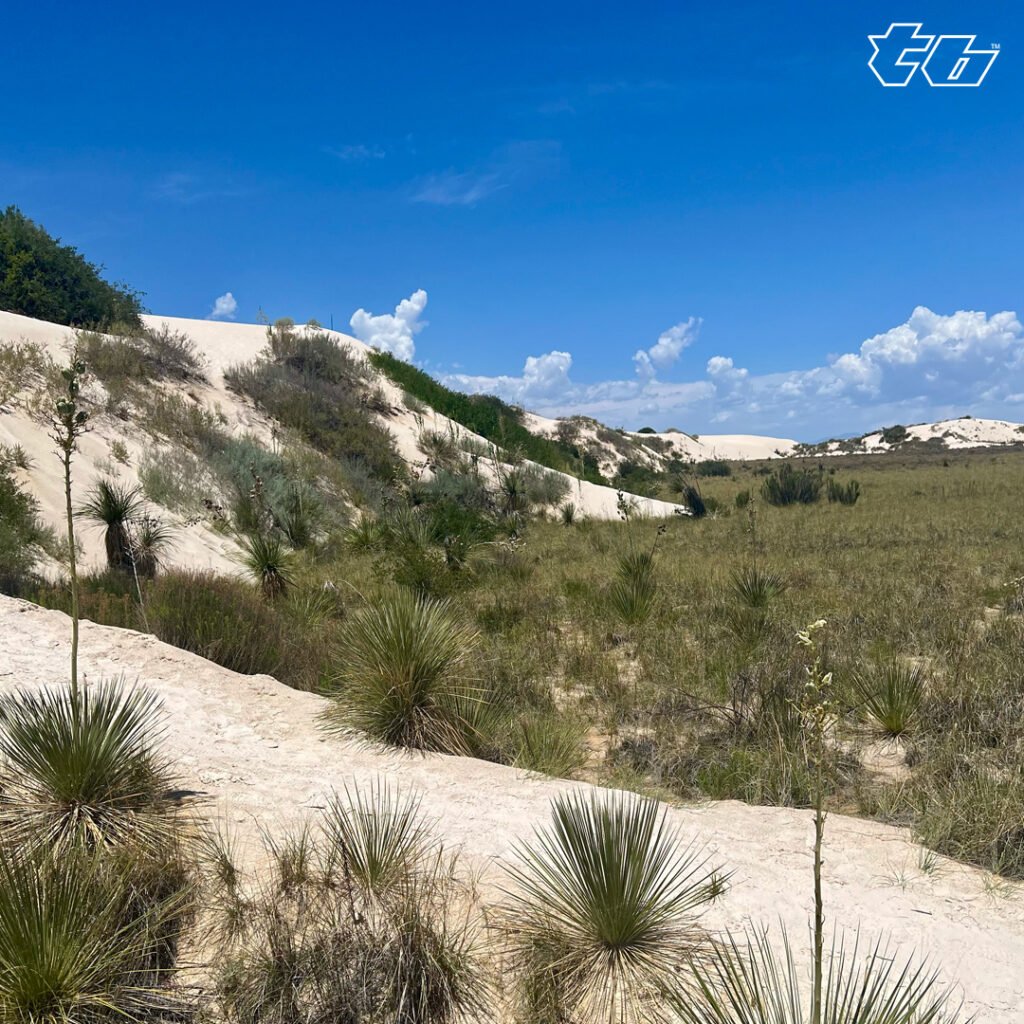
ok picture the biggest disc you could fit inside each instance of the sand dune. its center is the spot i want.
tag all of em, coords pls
(252, 750)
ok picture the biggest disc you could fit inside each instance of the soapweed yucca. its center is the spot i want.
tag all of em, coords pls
(602, 914)
(116, 507)
(890, 696)
(747, 981)
(75, 945)
(401, 673)
(273, 567)
(82, 770)
(378, 838)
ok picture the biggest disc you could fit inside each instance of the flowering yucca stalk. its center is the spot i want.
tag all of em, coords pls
(817, 713)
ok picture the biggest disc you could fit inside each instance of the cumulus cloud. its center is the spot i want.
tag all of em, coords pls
(393, 332)
(933, 366)
(667, 349)
(224, 307)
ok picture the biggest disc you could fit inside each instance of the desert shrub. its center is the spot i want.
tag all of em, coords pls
(358, 926)
(176, 479)
(843, 494)
(895, 435)
(602, 914)
(309, 383)
(21, 532)
(20, 364)
(218, 618)
(790, 486)
(41, 278)
(713, 467)
(401, 674)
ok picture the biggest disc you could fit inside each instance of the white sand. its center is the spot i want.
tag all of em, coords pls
(253, 750)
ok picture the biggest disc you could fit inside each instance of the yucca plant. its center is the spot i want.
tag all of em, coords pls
(890, 696)
(753, 587)
(603, 913)
(378, 837)
(634, 590)
(401, 674)
(76, 945)
(83, 770)
(273, 567)
(747, 982)
(116, 507)
(150, 540)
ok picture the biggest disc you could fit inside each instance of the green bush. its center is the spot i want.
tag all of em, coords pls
(791, 486)
(21, 533)
(307, 382)
(843, 494)
(713, 467)
(217, 618)
(41, 278)
(488, 416)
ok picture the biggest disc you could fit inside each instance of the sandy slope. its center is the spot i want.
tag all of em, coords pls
(252, 749)
(222, 345)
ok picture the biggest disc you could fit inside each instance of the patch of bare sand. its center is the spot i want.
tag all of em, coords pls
(253, 750)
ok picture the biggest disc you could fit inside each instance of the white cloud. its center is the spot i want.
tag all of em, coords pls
(393, 332)
(224, 307)
(358, 153)
(667, 349)
(454, 189)
(933, 366)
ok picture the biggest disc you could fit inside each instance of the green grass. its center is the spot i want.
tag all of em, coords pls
(488, 416)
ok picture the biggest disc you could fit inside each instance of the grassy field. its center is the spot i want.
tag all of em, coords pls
(686, 681)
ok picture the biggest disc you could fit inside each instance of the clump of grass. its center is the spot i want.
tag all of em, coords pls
(82, 771)
(549, 744)
(401, 672)
(843, 494)
(369, 929)
(220, 619)
(634, 591)
(791, 486)
(890, 696)
(602, 915)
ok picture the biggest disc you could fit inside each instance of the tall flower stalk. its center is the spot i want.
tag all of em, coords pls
(817, 712)
(69, 423)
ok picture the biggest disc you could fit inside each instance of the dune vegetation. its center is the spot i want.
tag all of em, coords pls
(794, 636)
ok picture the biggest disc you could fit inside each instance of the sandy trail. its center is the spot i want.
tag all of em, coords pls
(253, 749)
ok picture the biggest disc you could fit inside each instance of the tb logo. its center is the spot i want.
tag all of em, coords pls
(943, 60)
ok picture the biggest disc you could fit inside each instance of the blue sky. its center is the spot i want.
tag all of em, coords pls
(567, 185)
